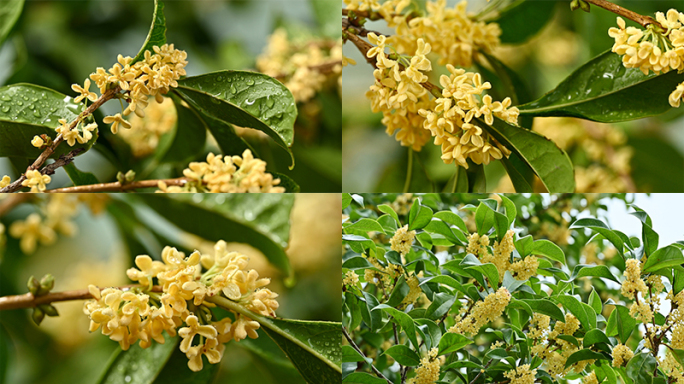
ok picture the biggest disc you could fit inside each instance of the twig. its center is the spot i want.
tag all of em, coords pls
(118, 187)
(481, 371)
(644, 21)
(12, 201)
(16, 185)
(27, 300)
(357, 349)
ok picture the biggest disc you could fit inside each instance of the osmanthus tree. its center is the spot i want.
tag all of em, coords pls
(437, 78)
(177, 310)
(438, 291)
(42, 130)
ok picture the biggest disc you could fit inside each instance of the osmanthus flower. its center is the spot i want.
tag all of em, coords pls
(115, 121)
(621, 355)
(36, 181)
(84, 92)
(653, 49)
(402, 240)
(229, 174)
(590, 378)
(142, 314)
(37, 141)
(521, 375)
(5, 181)
(428, 370)
(482, 312)
(350, 279)
(31, 231)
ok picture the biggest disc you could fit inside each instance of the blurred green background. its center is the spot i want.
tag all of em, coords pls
(59, 43)
(373, 161)
(112, 229)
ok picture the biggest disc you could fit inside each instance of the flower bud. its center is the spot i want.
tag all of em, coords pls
(33, 285)
(49, 310)
(37, 316)
(130, 176)
(120, 177)
(46, 285)
(574, 5)
(585, 6)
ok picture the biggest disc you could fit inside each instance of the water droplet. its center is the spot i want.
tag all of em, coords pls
(5, 108)
(31, 106)
(220, 78)
(5, 98)
(250, 82)
(607, 75)
(20, 103)
(588, 91)
(36, 113)
(127, 379)
(233, 90)
(249, 102)
(25, 98)
(215, 100)
(270, 102)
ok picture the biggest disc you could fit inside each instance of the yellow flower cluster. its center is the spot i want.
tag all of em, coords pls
(152, 76)
(521, 269)
(304, 67)
(414, 291)
(142, 314)
(482, 312)
(350, 279)
(590, 378)
(229, 174)
(633, 282)
(397, 92)
(454, 35)
(5, 181)
(428, 371)
(670, 365)
(402, 204)
(676, 320)
(451, 122)
(402, 240)
(521, 375)
(383, 276)
(621, 355)
(146, 131)
(539, 326)
(651, 49)
(36, 181)
(553, 350)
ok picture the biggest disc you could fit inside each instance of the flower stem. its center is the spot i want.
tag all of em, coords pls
(118, 187)
(27, 300)
(618, 10)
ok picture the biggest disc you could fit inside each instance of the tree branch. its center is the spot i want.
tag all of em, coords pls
(27, 300)
(644, 21)
(16, 185)
(357, 349)
(118, 187)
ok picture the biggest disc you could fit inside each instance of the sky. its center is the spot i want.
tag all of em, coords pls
(666, 211)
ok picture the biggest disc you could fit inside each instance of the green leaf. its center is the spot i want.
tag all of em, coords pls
(314, 347)
(362, 378)
(584, 354)
(350, 355)
(604, 90)
(550, 163)
(157, 34)
(511, 210)
(327, 14)
(176, 371)
(524, 245)
(521, 175)
(78, 177)
(441, 303)
(595, 301)
(246, 99)
(401, 289)
(28, 110)
(584, 313)
(452, 219)
(484, 216)
(137, 365)
(440, 227)
(259, 220)
(649, 236)
(286, 182)
(472, 263)
(224, 133)
(187, 139)
(404, 320)
(641, 367)
(403, 355)
(419, 216)
(522, 19)
(600, 227)
(9, 14)
(620, 323)
(5, 353)
(663, 258)
(346, 200)
(595, 336)
(388, 210)
(548, 249)
(452, 342)
(365, 225)
(372, 316)
(582, 270)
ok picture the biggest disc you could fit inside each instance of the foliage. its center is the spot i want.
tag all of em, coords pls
(490, 288)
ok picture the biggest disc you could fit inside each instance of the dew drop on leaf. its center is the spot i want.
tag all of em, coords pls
(5, 108)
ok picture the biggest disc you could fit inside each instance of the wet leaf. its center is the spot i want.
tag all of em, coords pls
(157, 34)
(550, 163)
(137, 365)
(604, 90)
(79, 177)
(28, 110)
(246, 99)
(522, 19)
(188, 137)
